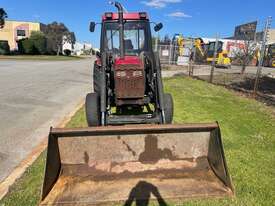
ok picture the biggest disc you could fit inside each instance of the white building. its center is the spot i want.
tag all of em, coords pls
(80, 48)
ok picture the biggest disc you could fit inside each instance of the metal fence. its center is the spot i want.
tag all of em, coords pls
(175, 55)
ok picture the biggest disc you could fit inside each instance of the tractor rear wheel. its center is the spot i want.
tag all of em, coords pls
(92, 109)
(168, 108)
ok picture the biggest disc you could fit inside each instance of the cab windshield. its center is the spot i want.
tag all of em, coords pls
(272, 49)
(134, 37)
(211, 48)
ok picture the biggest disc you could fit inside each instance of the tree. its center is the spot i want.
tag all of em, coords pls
(4, 47)
(36, 44)
(3, 15)
(245, 54)
(39, 42)
(166, 40)
(57, 35)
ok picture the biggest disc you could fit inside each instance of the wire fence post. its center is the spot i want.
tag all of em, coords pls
(214, 59)
(191, 56)
(260, 65)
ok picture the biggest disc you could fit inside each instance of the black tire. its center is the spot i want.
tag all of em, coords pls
(92, 109)
(168, 108)
(96, 78)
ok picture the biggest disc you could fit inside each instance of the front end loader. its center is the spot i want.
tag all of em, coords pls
(130, 153)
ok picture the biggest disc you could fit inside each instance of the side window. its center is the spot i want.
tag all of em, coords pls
(109, 39)
(219, 47)
(141, 39)
(115, 39)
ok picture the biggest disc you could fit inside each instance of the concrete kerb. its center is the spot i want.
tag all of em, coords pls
(35, 153)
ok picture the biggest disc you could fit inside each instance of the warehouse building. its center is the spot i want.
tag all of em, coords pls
(16, 30)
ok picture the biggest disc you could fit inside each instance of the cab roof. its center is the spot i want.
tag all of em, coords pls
(126, 16)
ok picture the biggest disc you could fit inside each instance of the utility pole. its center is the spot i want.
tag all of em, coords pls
(260, 65)
(214, 59)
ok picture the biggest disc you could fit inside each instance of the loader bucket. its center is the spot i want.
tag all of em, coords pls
(136, 163)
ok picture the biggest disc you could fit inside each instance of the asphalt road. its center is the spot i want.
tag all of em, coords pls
(35, 95)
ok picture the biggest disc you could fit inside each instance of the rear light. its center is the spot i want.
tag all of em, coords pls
(109, 15)
(121, 74)
(142, 15)
(137, 73)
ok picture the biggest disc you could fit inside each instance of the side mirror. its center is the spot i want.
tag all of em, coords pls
(98, 55)
(92, 26)
(158, 27)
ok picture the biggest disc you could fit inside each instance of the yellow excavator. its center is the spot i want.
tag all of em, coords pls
(133, 154)
(222, 59)
(269, 59)
(205, 53)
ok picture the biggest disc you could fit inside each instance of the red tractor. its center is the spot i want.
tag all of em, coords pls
(127, 79)
(110, 165)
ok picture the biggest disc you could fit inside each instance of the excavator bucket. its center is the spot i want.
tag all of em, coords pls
(135, 164)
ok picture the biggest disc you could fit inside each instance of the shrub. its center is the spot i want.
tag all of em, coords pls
(4, 48)
(67, 52)
(28, 46)
(36, 44)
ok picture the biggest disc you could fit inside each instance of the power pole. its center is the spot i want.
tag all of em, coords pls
(214, 59)
(260, 65)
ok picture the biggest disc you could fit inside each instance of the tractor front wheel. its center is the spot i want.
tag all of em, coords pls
(92, 109)
(168, 108)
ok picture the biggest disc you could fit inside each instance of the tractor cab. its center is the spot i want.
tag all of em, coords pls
(127, 76)
(137, 34)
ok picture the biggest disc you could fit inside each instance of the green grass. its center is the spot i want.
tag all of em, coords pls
(39, 57)
(248, 132)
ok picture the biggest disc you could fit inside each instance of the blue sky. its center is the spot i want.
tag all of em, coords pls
(190, 17)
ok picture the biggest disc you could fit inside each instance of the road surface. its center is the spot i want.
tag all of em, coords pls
(35, 95)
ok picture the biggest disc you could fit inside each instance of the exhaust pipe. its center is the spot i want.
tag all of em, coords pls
(121, 28)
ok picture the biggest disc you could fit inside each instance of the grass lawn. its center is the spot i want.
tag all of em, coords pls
(39, 57)
(248, 132)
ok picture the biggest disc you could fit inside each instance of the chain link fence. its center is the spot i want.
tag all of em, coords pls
(180, 60)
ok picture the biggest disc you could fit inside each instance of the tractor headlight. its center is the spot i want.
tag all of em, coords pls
(120, 73)
(137, 73)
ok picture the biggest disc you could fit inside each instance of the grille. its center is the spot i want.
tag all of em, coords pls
(129, 81)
